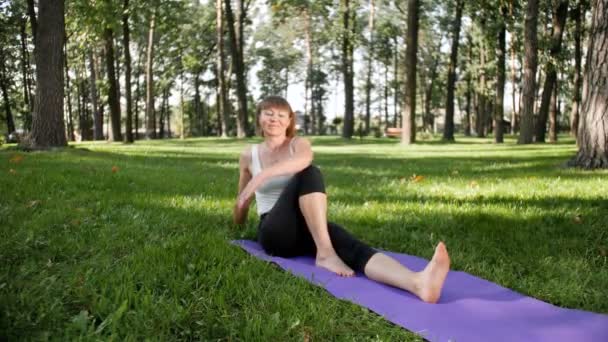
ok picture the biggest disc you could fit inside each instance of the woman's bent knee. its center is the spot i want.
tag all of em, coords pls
(311, 180)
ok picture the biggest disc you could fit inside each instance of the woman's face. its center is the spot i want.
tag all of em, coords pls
(274, 122)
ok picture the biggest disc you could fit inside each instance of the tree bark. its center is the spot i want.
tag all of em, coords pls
(368, 81)
(514, 113)
(579, 17)
(593, 130)
(553, 115)
(10, 122)
(236, 44)
(48, 127)
(27, 86)
(448, 130)
(150, 113)
(127, 53)
(32, 14)
(408, 132)
(526, 135)
(500, 78)
(220, 72)
(309, 67)
(480, 117)
(97, 115)
(347, 71)
(70, 122)
(560, 13)
(113, 102)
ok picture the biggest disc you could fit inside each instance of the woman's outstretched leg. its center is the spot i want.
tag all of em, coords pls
(314, 209)
(426, 284)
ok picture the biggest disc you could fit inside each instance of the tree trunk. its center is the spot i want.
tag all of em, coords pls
(526, 135)
(386, 92)
(559, 22)
(579, 17)
(48, 128)
(347, 71)
(113, 102)
(553, 115)
(500, 81)
(125, 44)
(514, 114)
(429, 118)
(448, 130)
(10, 122)
(32, 14)
(236, 44)
(25, 71)
(221, 70)
(408, 132)
(137, 92)
(593, 130)
(197, 104)
(182, 129)
(396, 84)
(70, 122)
(368, 82)
(309, 84)
(480, 118)
(150, 113)
(97, 115)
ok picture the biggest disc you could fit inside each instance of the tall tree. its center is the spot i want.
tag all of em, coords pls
(408, 132)
(560, 13)
(113, 100)
(370, 58)
(236, 24)
(48, 128)
(448, 131)
(579, 17)
(150, 112)
(127, 53)
(593, 131)
(347, 68)
(501, 51)
(220, 71)
(25, 72)
(10, 122)
(526, 135)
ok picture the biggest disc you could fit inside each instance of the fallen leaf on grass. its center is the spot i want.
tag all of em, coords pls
(16, 159)
(578, 219)
(416, 178)
(12, 171)
(115, 169)
(455, 172)
(33, 203)
(473, 184)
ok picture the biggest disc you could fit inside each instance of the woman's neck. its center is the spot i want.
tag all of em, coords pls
(274, 143)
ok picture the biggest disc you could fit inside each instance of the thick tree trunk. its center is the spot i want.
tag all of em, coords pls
(408, 132)
(514, 113)
(97, 115)
(579, 17)
(236, 49)
(113, 102)
(220, 72)
(347, 71)
(526, 135)
(593, 130)
(48, 128)
(150, 112)
(448, 130)
(125, 46)
(396, 111)
(501, 51)
(32, 14)
(368, 81)
(559, 22)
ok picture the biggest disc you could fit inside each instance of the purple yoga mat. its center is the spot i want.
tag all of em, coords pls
(470, 308)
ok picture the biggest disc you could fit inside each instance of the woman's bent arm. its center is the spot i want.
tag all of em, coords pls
(301, 159)
(240, 212)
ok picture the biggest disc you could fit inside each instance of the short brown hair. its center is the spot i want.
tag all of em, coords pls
(276, 102)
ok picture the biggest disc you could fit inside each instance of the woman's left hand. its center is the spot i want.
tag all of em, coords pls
(247, 194)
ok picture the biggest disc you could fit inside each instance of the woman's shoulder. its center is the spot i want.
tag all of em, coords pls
(245, 156)
(299, 141)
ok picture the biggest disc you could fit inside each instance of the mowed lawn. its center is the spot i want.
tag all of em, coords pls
(126, 242)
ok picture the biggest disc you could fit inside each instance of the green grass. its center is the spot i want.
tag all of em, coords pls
(144, 252)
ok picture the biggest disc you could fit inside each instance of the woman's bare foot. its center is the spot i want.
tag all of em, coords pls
(333, 263)
(433, 275)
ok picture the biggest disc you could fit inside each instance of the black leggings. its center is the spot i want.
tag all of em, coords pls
(283, 231)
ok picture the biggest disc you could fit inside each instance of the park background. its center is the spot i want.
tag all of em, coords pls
(122, 122)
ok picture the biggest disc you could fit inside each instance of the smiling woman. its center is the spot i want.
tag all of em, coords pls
(292, 205)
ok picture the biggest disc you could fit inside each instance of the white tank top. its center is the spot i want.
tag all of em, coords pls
(268, 193)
